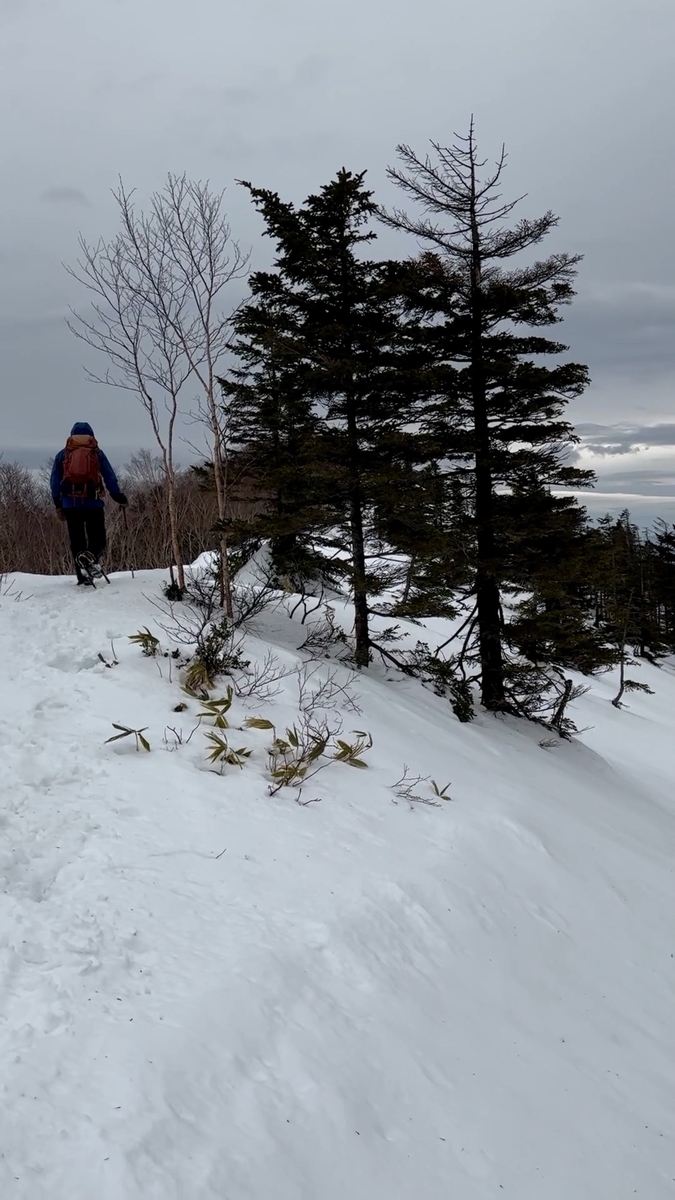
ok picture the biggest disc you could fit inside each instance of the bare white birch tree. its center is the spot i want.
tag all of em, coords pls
(156, 296)
(205, 261)
(135, 305)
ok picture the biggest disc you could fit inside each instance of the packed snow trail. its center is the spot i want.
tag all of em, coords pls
(209, 993)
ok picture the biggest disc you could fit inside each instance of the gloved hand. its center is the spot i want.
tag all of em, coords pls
(121, 500)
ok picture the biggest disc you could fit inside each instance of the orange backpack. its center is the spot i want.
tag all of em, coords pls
(81, 468)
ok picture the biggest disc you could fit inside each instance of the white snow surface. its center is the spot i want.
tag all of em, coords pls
(208, 992)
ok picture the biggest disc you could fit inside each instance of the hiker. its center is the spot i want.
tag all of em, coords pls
(80, 475)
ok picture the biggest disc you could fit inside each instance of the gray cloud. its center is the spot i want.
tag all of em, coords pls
(287, 94)
(211, 94)
(65, 195)
(9, 9)
(31, 324)
(634, 467)
(609, 440)
(647, 483)
(625, 327)
(312, 70)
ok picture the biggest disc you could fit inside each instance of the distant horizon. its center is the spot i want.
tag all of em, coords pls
(645, 507)
(40, 456)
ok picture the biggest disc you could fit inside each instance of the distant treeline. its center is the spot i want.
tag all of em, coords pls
(32, 540)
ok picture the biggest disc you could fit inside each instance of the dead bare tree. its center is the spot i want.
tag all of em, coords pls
(205, 260)
(156, 288)
(137, 301)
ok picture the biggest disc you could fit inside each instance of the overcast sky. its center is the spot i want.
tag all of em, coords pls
(284, 94)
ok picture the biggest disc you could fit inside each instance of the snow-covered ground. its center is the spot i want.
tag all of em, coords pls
(209, 993)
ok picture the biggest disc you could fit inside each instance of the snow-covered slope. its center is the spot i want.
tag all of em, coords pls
(207, 992)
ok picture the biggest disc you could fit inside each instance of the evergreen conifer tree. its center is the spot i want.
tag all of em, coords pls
(272, 424)
(548, 552)
(426, 519)
(625, 570)
(496, 410)
(336, 317)
(662, 549)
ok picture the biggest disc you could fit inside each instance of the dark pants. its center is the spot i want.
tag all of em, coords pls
(86, 530)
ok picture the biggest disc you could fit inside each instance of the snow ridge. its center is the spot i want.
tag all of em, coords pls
(207, 992)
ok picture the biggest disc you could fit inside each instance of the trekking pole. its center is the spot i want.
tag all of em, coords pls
(126, 526)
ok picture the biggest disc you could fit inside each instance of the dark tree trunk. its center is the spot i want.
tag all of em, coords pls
(361, 630)
(487, 583)
(361, 623)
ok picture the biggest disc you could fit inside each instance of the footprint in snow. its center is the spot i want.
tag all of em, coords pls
(72, 664)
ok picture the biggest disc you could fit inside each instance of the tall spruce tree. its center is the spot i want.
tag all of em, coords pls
(549, 557)
(497, 410)
(425, 518)
(272, 426)
(662, 547)
(336, 316)
(625, 573)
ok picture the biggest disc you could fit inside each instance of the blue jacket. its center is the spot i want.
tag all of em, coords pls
(109, 476)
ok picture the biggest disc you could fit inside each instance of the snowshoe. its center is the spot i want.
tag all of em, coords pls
(91, 569)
